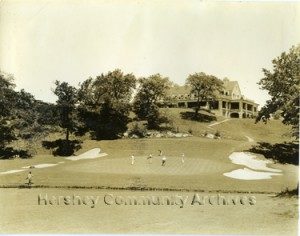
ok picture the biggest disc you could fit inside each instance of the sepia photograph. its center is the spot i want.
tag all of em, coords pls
(149, 117)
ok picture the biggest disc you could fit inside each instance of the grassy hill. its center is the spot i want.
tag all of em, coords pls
(230, 129)
(237, 129)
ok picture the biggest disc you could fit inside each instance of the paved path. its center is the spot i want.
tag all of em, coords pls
(217, 123)
(251, 140)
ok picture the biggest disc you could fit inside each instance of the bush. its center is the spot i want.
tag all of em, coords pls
(9, 153)
(138, 130)
(201, 117)
(62, 147)
(289, 192)
(217, 134)
(277, 115)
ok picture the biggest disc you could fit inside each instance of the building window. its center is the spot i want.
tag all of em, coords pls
(223, 104)
(235, 105)
(214, 105)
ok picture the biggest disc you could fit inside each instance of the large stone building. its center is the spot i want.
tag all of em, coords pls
(229, 103)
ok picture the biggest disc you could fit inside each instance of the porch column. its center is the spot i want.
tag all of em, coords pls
(240, 109)
(220, 105)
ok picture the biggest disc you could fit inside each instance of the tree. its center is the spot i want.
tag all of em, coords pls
(282, 85)
(48, 114)
(67, 99)
(204, 87)
(7, 95)
(105, 103)
(151, 91)
(17, 116)
(21, 117)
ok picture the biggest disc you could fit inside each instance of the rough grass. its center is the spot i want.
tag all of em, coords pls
(273, 131)
(20, 213)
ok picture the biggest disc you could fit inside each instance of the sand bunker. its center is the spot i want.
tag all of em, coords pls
(11, 172)
(249, 139)
(247, 174)
(27, 167)
(45, 165)
(38, 166)
(91, 154)
(251, 161)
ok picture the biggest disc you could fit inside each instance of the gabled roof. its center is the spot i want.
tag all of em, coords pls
(181, 90)
(177, 90)
(229, 85)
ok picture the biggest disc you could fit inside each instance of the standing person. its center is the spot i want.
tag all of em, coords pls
(182, 158)
(160, 153)
(29, 178)
(150, 158)
(163, 160)
(132, 159)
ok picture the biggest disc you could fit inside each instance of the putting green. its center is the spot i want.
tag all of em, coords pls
(142, 166)
(205, 163)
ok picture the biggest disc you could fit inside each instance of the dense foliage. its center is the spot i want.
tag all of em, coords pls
(204, 87)
(21, 117)
(151, 91)
(104, 104)
(282, 85)
(67, 99)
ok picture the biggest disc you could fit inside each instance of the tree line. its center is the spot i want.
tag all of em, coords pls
(101, 105)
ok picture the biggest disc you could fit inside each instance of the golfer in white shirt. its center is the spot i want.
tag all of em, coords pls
(132, 159)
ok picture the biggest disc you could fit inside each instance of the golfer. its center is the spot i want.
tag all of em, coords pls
(150, 158)
(182, 158)
(160, 153)
(132, 159)
(29, 178)
(163, 160)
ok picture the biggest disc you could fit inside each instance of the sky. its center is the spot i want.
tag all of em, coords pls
(43, 41)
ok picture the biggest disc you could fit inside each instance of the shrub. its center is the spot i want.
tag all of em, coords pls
(217, 134)
(62, 147)
(138, 130)
(9, 153)
(201, 116)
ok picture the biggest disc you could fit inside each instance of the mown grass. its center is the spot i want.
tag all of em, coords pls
(206, 161)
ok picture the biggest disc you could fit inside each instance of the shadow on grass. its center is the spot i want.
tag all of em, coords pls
(201, 116)
(10, 153)
(289, 193)
(62, 147)
(284, 153)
